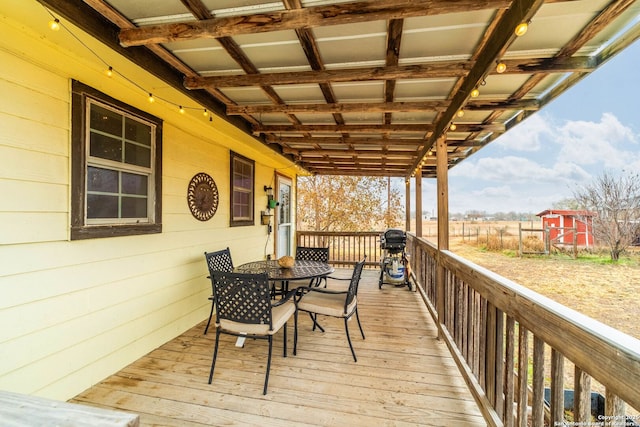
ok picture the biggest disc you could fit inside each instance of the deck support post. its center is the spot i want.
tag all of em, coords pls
(419, 202)
(407, 204)
(443, 225)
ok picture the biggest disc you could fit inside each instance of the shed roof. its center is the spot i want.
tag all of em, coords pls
(566, 212)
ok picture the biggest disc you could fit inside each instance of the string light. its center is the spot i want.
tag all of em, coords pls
(54, 24)
(460, 113)
(521, 29)
(501, 67)
(453, 126)
(475, 93)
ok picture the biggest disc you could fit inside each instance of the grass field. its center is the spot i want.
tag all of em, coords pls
(591, 284)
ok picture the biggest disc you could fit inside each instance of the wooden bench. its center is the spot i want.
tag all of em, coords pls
(19, 410)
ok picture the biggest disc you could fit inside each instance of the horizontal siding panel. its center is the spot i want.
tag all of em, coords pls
(33, 166)
(31, 135)
(31, 77)
(104, 268)
(190, 149)
(29, 196)
(27, 103)
(27, 227)
(90, 323)
(90, 349)
(46, 313)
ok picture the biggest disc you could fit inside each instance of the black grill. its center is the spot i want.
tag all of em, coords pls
(393, 240)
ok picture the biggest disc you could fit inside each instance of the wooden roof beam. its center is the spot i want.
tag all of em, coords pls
(441, 69)
(365, 128)
(346, 13)
(384, 107)
(273, 139)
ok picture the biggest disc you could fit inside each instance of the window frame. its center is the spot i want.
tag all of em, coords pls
(242, 221)
(81, 96)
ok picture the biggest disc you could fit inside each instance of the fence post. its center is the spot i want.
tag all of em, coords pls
(519, 239)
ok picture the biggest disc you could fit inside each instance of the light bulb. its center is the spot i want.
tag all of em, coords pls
(109, 72)
(501, 67)
(54, 24)
(475, 93)
(151, 98)
(453, 126)
(181, 110)
(460, 113)
(205, 113)
(521, 29)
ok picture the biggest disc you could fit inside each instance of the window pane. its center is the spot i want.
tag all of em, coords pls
(134, 184)
(134, 207)
(106, 121)
(105, 147)
(102, 206)
(137, 155)
(102, 180)
(241, 204)
(137, 131)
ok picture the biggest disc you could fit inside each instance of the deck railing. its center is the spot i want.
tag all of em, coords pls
(345, 248)
(511, 343)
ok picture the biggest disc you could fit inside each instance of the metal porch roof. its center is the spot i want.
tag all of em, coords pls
(366, 88)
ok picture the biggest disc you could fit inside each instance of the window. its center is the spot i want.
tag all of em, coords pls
(242, 173)
(116, 167)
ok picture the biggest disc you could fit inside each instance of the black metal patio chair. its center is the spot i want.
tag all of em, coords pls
(330, 302)
(217, 261)
(244, 309)
(313, 254)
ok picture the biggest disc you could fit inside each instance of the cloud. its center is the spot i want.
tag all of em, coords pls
(528, 135)
(607, 143)
(515, 169)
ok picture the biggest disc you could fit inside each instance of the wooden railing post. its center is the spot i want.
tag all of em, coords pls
(419, 203)
(442, 167)
(407, 205)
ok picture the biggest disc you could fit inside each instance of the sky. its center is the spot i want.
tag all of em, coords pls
(592, 127)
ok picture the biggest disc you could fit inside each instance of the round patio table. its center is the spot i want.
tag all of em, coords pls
(301, 270)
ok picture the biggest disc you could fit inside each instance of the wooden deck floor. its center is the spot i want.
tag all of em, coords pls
(403, 376)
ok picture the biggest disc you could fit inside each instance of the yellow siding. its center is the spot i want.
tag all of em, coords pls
(73, 312)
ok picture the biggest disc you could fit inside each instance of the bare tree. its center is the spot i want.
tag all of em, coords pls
(615, 200)
(347, 203)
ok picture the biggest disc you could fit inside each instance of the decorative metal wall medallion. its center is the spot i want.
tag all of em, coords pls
(202, 197)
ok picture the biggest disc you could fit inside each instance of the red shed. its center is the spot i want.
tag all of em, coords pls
(558, 220)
